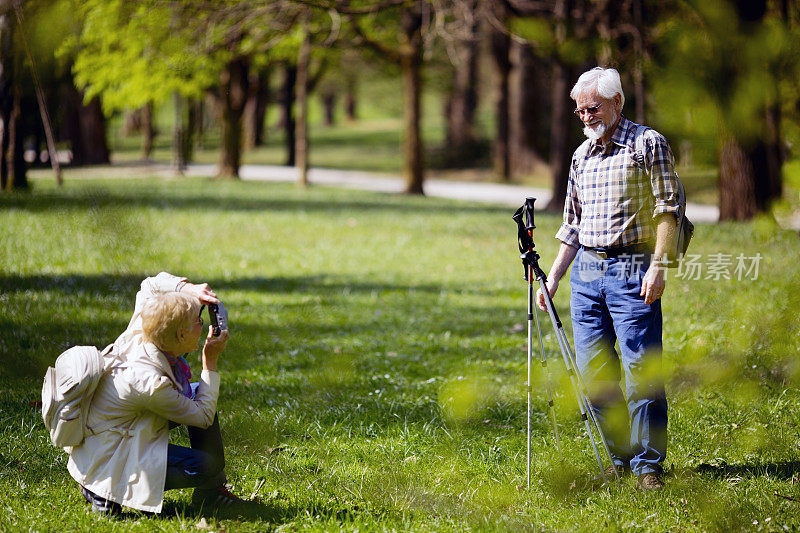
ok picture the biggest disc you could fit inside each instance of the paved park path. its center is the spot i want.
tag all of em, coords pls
(493, 193)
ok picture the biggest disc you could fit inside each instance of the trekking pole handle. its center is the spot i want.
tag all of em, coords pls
(529, 225)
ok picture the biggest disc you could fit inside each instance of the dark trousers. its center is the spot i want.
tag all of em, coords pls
(201, 466)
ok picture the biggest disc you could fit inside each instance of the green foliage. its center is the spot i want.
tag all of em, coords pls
(135, 53)
(541, 33)
(375, 376)
(140, 52)
(714, 74)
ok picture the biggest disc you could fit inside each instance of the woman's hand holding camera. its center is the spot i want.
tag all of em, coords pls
(213, 347)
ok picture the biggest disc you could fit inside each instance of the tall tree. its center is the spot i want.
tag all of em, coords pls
(288, 120)
(727, 73)
(529, 119)
(132, 53)
(83, 125)
(234, 87)
(501, 53)
(567, 37)
(394, 29)
(6, 91)
(301, 98)
(462, 100)
(256, 108)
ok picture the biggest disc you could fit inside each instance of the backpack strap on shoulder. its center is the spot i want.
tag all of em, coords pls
(638, 144)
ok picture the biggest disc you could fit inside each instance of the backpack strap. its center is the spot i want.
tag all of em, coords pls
(638, 144)
(640, 156)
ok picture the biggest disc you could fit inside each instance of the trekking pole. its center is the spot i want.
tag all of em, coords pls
(585, 393)
(578, 385)
(532, 312)
(547, 373)
(530, 260)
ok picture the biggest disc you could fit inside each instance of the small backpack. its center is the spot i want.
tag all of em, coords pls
(684, 229)
(68, 389)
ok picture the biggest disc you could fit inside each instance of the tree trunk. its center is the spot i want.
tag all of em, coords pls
(411, 66)
(94, 147)
(194, 119)
(234, 84)
(750, 166)
(775, 154)
(256, 108)
(560, 153)
(329, 108)
(561, 115)
(287, 120)
(204, 118)
(639, 58)
(737, 195)
(83, 126)
(178, 160)
(350, 99)
(148, 131)
(463, 98)
(6, 96)
(749, 179)
(528, 122)
(501, 45)
(301, 101)
(15, 155)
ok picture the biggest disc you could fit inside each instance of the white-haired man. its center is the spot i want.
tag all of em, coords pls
(619, 219)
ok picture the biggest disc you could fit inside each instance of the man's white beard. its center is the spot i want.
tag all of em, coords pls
(596, 131)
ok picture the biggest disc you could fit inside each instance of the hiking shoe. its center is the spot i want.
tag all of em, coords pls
(100, 505)
(649, 482)
(220, 498)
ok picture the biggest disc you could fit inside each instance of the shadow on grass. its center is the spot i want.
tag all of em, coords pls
(273, 512)
(781, 470)
(126, 285)
(48, 315)
(268, 512)
(95, 197)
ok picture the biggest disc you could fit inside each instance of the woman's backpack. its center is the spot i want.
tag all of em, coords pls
(68, 389)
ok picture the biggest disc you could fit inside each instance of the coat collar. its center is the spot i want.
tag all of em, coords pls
(159, 359)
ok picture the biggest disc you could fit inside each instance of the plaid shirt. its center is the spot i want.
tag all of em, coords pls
(613, 196)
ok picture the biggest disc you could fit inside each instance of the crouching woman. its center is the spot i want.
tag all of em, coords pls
(126, 458)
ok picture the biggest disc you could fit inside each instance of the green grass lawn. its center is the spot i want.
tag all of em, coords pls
(375, 379)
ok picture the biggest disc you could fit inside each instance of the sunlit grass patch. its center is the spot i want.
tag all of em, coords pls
(375, 378)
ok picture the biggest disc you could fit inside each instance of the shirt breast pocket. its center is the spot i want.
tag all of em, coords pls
(636, 181)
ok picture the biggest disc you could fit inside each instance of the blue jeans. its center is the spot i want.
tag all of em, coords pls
(201, 466)
(606, 308)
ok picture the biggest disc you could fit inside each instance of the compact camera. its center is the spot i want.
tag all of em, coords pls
(219, 318)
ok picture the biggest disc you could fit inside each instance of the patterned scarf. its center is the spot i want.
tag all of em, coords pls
(182, 373)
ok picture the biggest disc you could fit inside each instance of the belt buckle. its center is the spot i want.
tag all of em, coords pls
(603, 255)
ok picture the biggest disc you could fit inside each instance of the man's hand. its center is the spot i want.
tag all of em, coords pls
(202, 291)
(653, 283)
(213, 347)
(552, 287)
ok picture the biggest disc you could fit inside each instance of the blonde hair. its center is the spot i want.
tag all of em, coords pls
(167, 315)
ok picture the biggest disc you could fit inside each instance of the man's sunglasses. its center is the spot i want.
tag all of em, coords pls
(592, 110)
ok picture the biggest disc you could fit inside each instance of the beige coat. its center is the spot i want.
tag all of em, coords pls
(125, 461)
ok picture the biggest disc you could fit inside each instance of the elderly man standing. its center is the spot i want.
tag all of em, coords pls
(619, 220)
